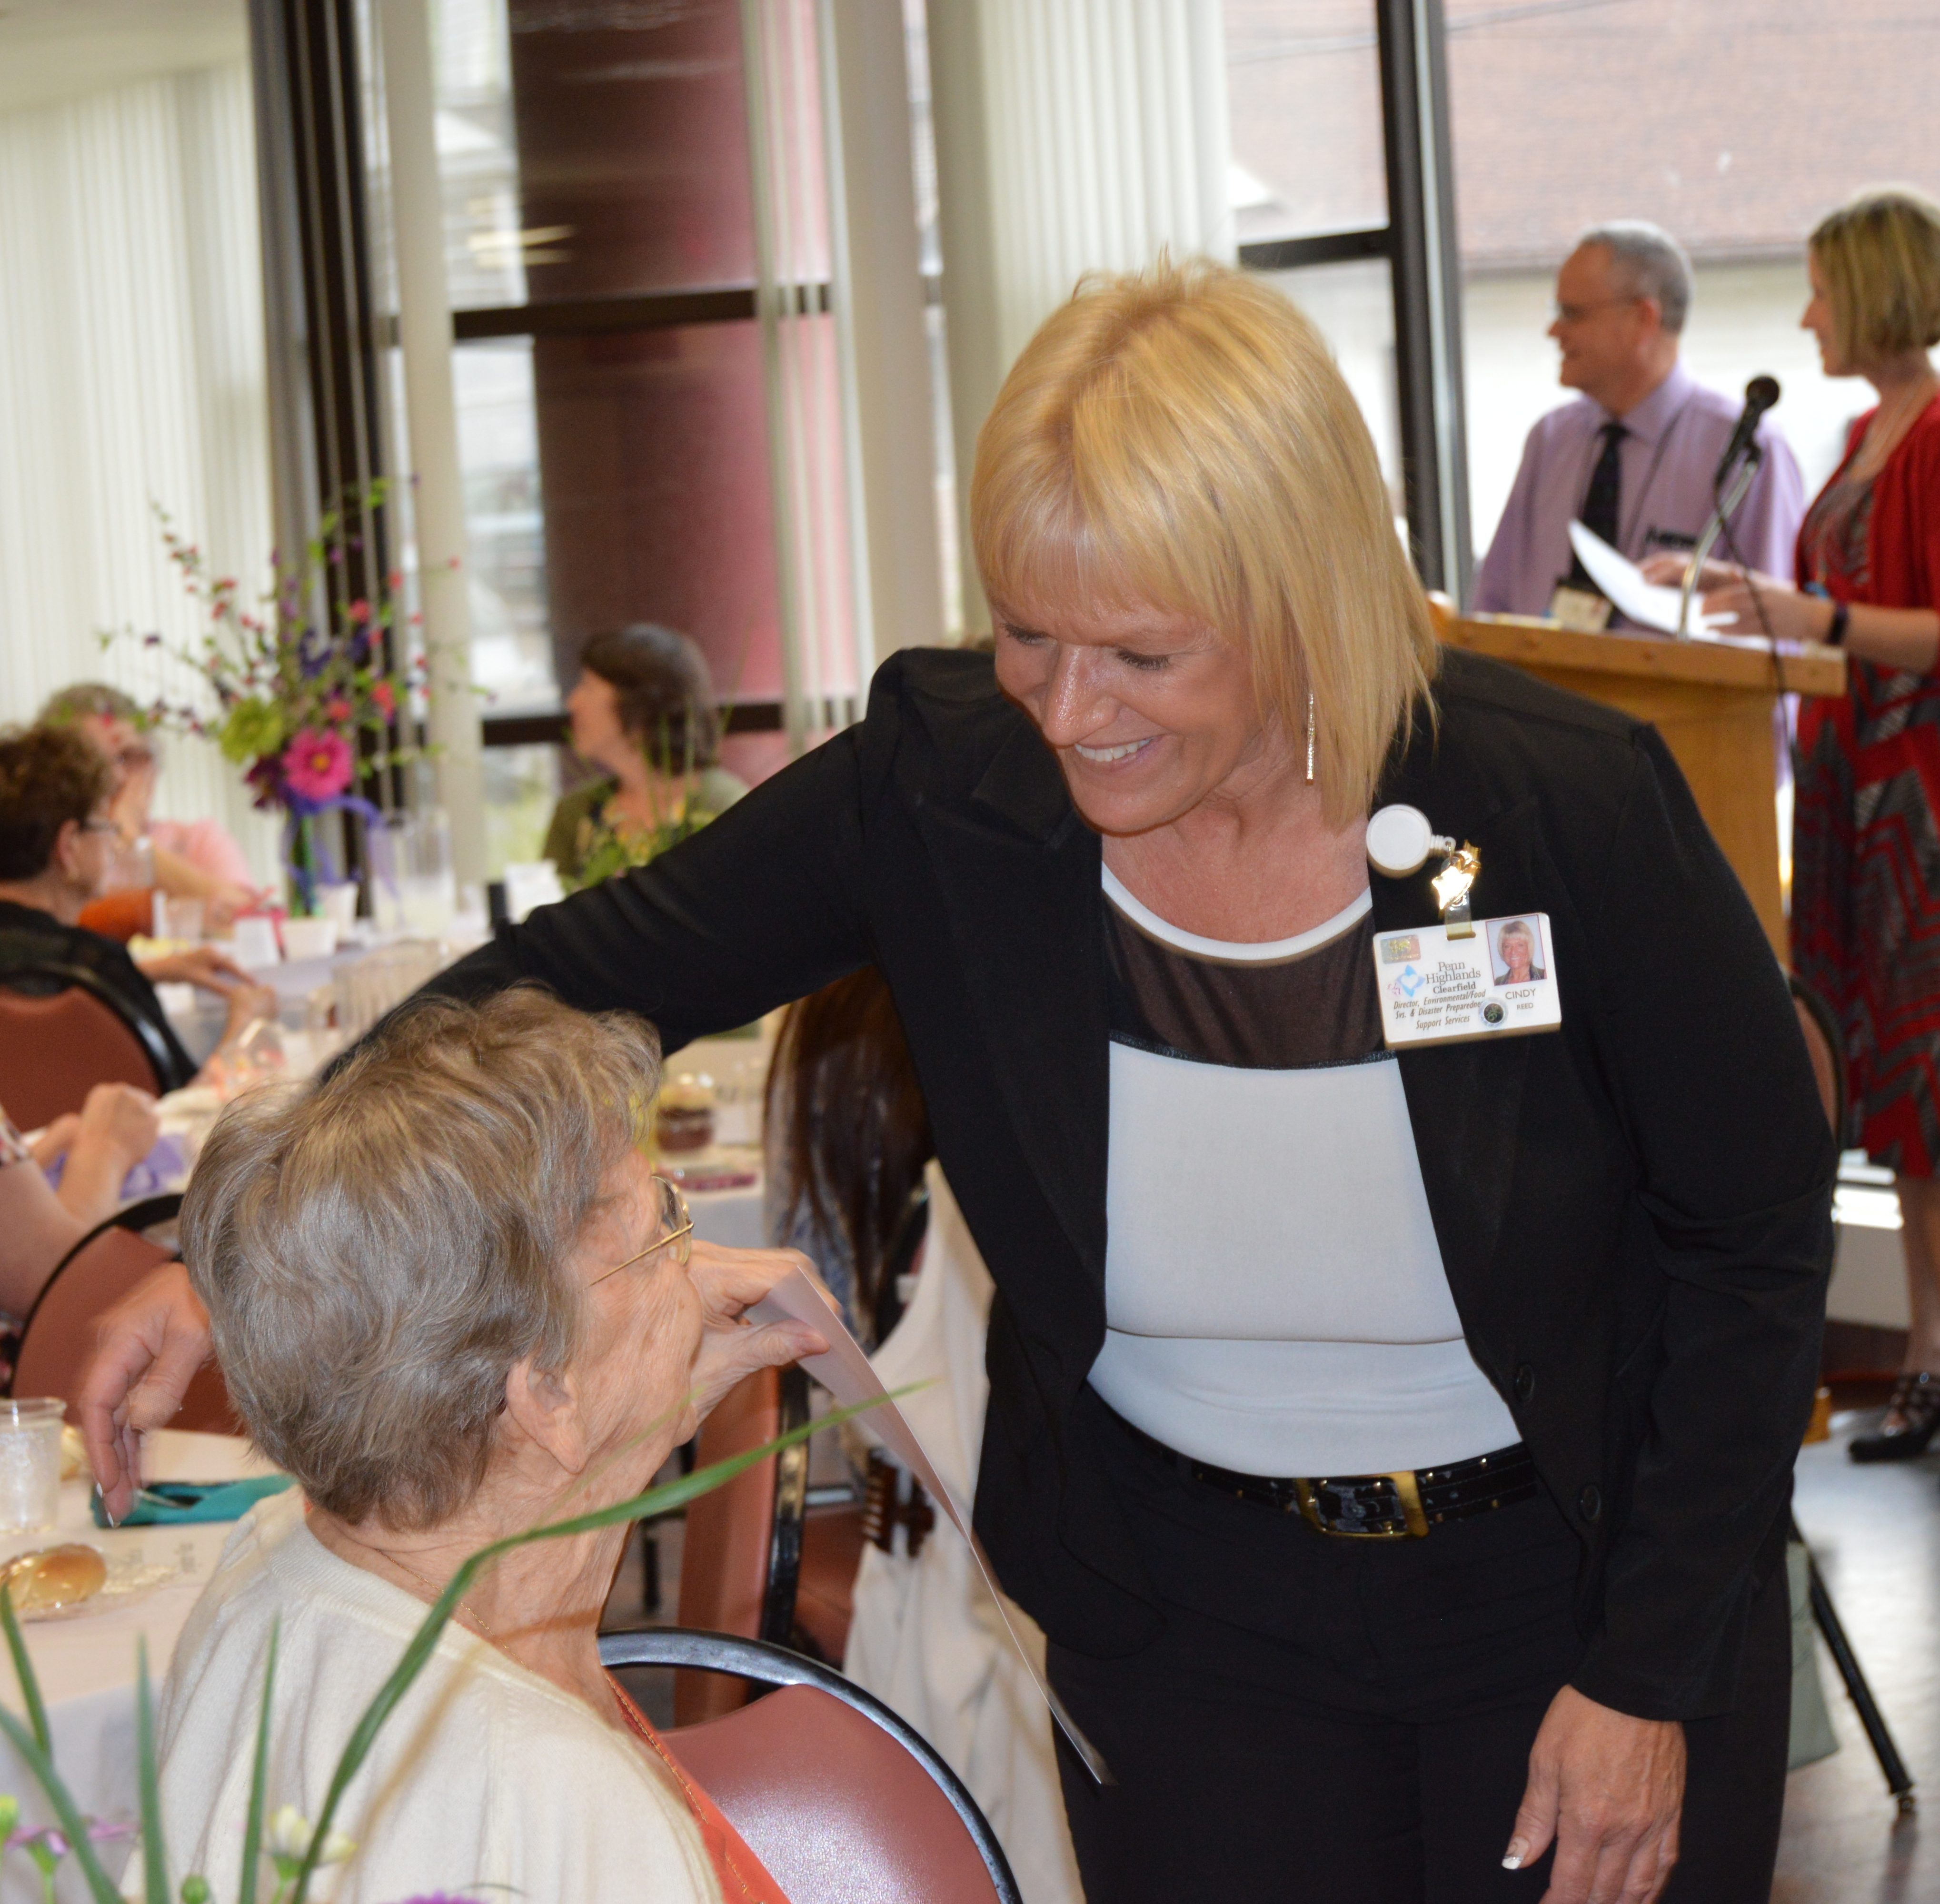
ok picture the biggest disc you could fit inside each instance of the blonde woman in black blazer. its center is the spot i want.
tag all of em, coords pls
(1582, 1669)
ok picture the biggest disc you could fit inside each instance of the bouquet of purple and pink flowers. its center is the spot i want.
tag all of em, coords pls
(306, 702)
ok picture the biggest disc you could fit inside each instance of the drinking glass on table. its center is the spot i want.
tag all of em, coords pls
(30, 1433)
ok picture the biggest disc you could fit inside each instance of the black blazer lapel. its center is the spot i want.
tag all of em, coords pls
(1465, 1100)
(1020, 873)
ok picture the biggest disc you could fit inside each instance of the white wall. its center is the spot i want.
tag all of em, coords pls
(131, 373)
(1745, 320)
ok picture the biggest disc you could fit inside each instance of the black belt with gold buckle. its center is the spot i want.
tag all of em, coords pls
(1374, 1506)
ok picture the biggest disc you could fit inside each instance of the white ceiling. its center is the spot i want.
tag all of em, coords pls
(54, 50)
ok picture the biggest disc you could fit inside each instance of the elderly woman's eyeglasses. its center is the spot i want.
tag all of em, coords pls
(675, 1231)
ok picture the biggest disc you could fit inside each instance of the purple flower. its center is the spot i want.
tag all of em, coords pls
(266, 777)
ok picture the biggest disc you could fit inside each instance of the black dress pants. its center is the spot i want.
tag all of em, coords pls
(1326, 1719)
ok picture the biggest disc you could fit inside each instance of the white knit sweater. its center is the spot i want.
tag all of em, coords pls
(487, 1781)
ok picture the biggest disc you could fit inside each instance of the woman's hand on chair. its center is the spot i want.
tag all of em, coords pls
(1608, 1789)
(147, 1348)
(729, 1282)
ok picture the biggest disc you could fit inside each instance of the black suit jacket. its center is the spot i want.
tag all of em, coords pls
(1634, 1212)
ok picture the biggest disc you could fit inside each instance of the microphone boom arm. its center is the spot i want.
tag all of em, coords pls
(1728, 501)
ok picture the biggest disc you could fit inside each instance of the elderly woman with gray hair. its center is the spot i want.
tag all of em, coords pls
(451, 1298)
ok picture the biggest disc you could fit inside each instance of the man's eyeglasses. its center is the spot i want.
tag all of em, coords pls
(1576, 313)
(674, 1231)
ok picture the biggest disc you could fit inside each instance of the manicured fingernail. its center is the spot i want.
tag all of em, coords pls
(1518, 1849)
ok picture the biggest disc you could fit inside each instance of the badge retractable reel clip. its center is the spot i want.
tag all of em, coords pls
(1399, 842)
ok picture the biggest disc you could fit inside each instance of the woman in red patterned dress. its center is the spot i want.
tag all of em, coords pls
(1865, 890)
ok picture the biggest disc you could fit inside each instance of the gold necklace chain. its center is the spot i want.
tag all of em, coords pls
(437, 1592)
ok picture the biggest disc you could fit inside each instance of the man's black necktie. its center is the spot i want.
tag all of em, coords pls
(1601, 504)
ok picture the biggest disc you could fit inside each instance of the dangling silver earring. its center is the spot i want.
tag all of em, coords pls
(1310, 737)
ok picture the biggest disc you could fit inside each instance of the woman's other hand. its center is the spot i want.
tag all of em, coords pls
(1668, 572)
(1757, 604)
(117, 1128)
(222, 907)
(1608, 1790)
(56, 1140)
(121, 1119)
(147, 1348)
(202, 966)
(729, 1282)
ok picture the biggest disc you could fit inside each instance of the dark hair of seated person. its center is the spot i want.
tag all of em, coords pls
(666, 693)
(848, 1138)
(48, 777)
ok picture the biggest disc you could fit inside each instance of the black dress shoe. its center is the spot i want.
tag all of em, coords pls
(1916, 1404)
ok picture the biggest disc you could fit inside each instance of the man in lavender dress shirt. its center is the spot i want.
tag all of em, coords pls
(1639, 448)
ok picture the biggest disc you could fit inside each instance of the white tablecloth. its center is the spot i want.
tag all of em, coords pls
(85, 1665)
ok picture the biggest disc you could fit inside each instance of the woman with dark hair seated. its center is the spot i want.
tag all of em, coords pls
(847, 1136)
(643, 710)
(56, 825)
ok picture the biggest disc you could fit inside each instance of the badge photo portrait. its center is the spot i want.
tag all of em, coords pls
(1515, 952)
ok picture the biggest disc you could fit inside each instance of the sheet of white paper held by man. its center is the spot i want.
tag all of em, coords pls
(1647, 604)
(846, 1373)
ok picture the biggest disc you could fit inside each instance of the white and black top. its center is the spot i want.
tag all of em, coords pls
(1274, 1294)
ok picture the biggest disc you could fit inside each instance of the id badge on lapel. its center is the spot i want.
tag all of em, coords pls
(1466, 979)
(1497, 982)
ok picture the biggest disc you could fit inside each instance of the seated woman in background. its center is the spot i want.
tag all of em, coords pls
(38, 1224)
(851, 1180)
(450, 1296)
(643, 710)
(847, 1134)
(197, 859)
(55, 831)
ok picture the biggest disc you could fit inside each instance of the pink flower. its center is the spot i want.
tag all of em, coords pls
(317, 764)
(337, 708)
(385, 696)
(360, 611)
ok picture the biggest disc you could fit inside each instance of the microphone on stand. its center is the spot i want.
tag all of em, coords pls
(1760, 394)
(1743, 455)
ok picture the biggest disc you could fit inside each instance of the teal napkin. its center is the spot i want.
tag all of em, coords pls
(168, 1503)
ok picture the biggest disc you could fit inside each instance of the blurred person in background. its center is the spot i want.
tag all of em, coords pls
(39, 1224)
(643, 711)
(852, 1181)
(1632, 457)
(1866, 882)
(847, 1136)
(57, 833)
(97, 1147)
(195, 859)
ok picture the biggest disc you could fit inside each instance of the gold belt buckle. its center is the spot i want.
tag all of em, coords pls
(1408, 1492)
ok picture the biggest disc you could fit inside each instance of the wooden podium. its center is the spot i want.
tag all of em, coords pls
(1711, 700)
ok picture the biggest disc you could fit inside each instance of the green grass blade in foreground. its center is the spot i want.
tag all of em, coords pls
(259, 1779)
(23, 1671)
(67, 1814)
(154, 1851)
(655, 1500)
